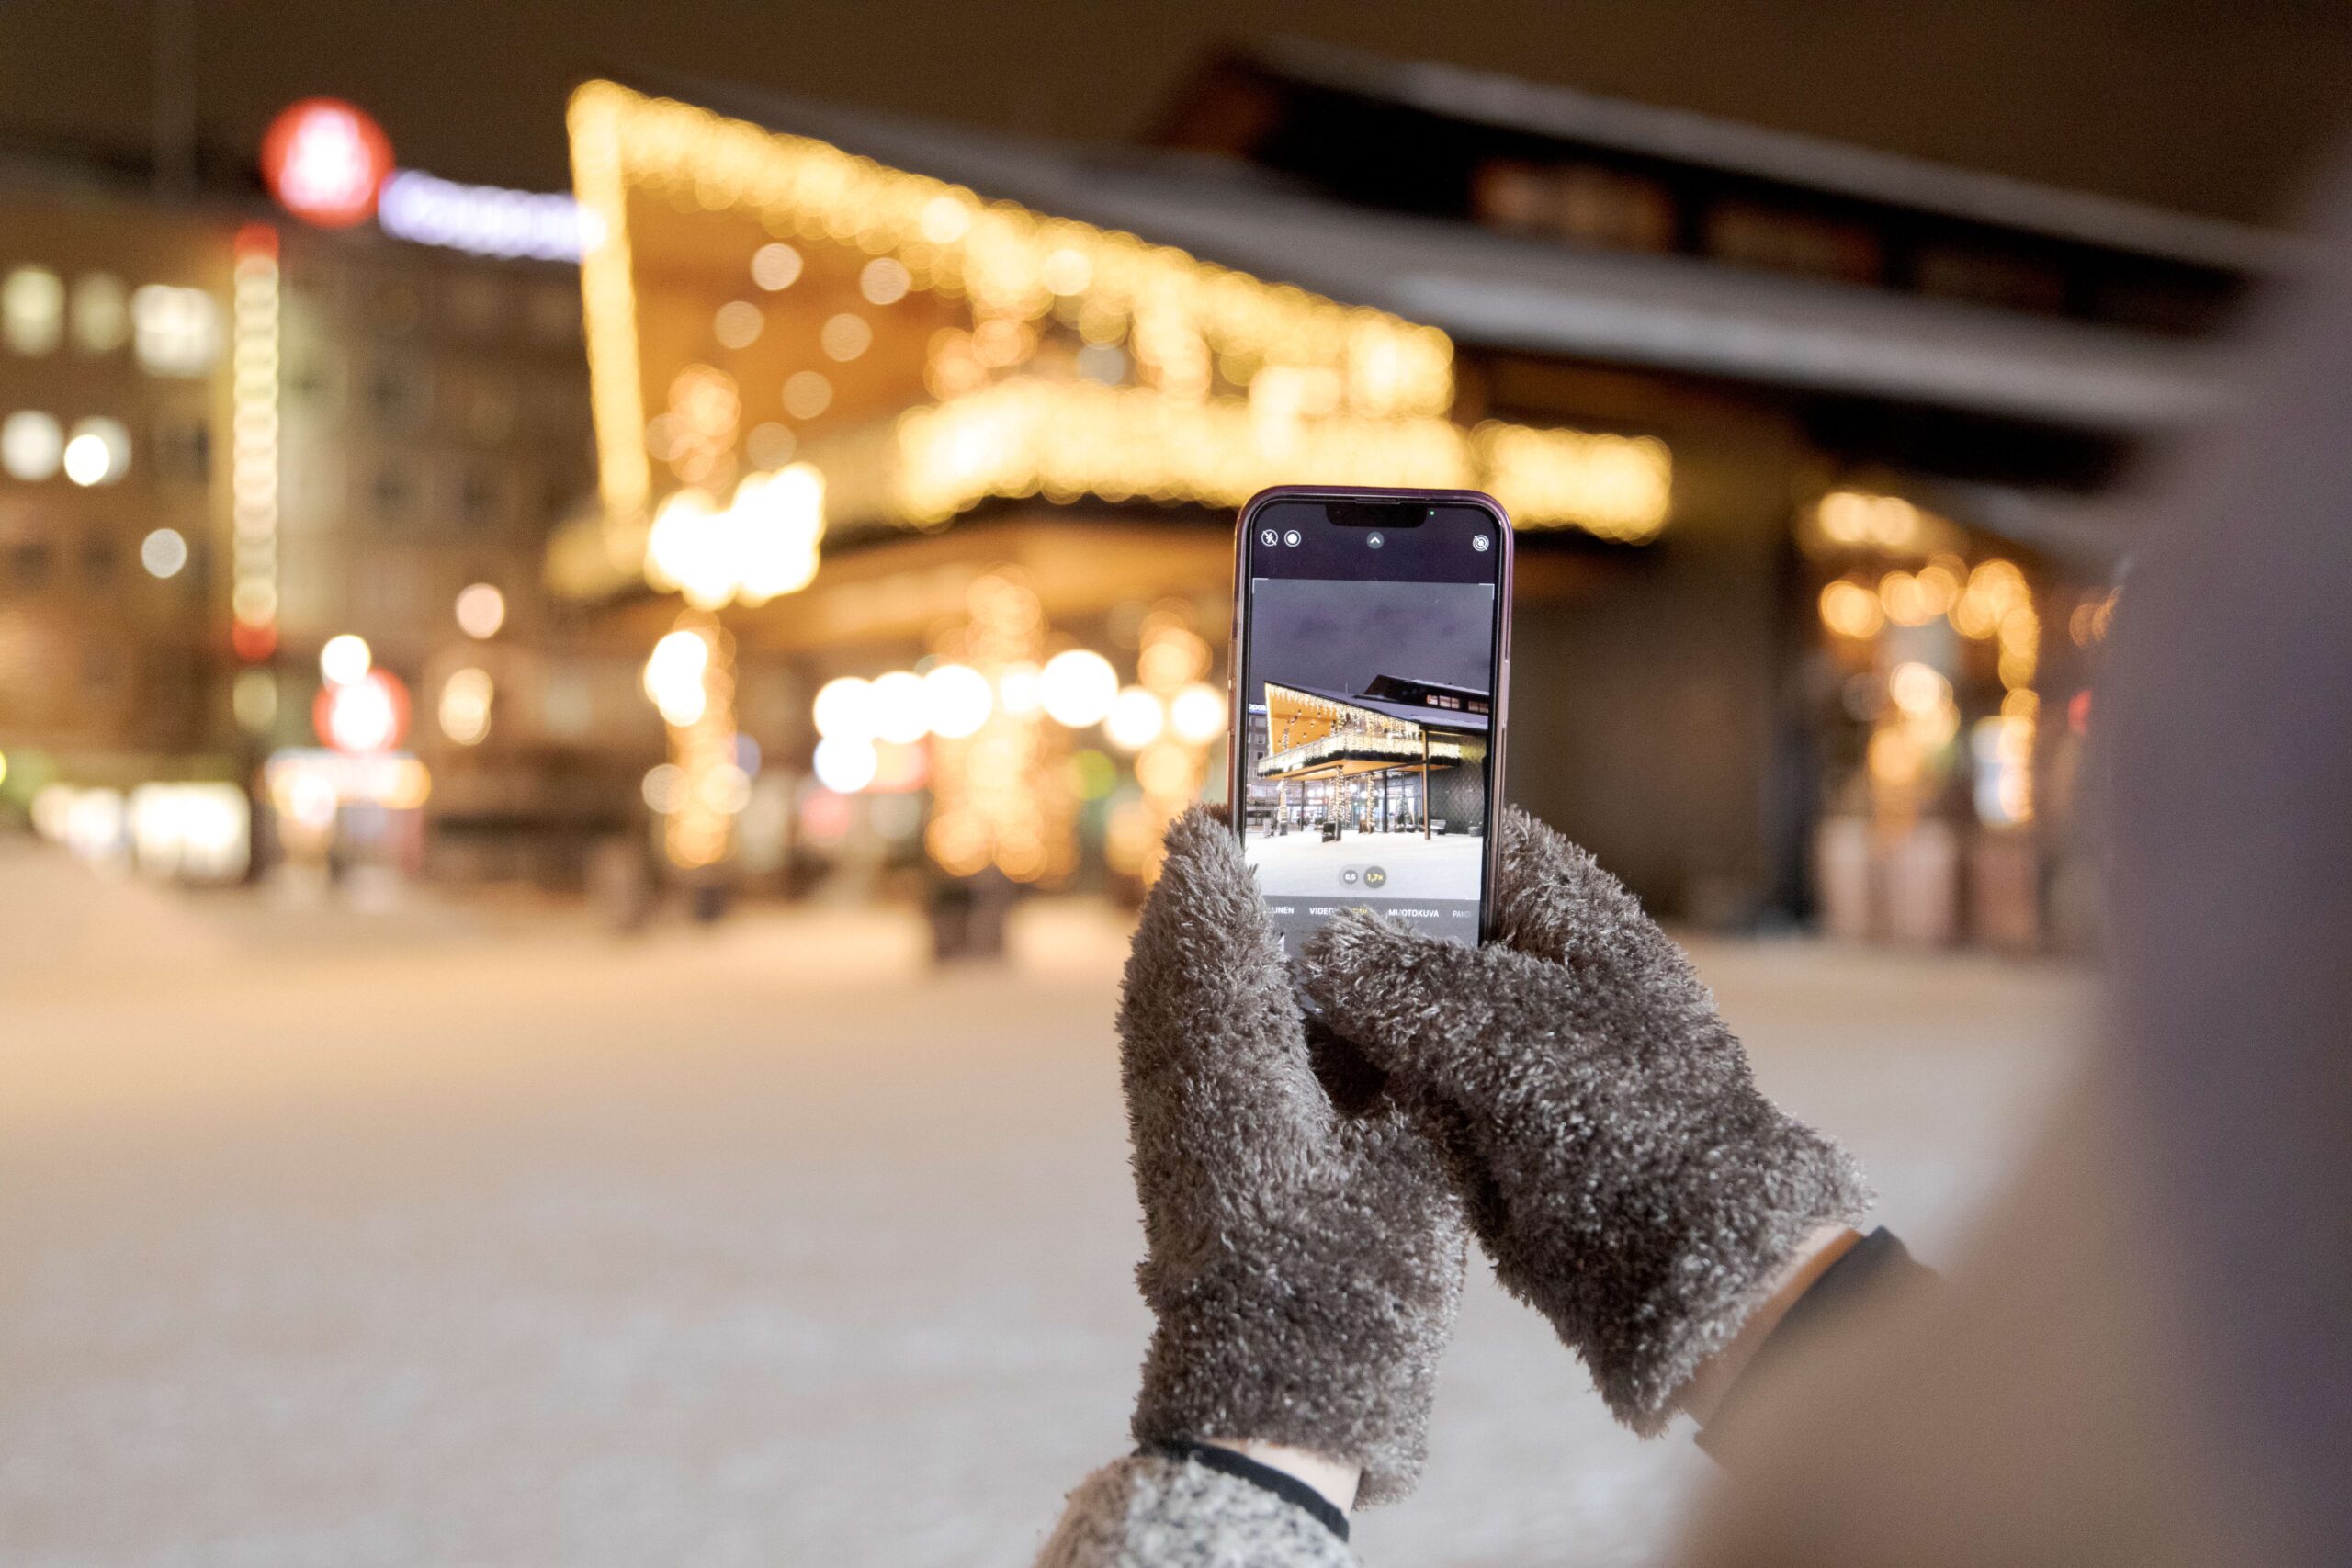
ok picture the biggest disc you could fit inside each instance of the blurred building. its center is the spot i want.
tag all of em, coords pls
(232, 436)
(1851, 678)
(1808, 445)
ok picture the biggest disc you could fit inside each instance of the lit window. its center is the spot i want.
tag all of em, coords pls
(30, 445)
(101, 313)
(164, 552)
(32, 309)
(99, 452)
(175, 332)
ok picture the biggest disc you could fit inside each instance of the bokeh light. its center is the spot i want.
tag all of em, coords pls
(163, 552)
(899, 707)
(844, 710)
(1078, 687)
(464, 709)
(1135, 719)
(846, 764)
(345, 658)
(481, 610)
(956, 700)
(1197, 715)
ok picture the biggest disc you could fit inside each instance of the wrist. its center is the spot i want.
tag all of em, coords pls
(1704, 1394)
(1333, 1478)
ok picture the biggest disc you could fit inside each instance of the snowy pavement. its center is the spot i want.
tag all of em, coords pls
(1400, 865)
(496, 1241)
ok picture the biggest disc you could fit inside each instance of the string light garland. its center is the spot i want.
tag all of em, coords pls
(1341, 393)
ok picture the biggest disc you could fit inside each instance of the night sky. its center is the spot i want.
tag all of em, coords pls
(2219, 106)
(1335, 637)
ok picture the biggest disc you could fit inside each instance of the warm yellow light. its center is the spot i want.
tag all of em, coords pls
(844, 710)
(1918, 688)
(1135, 719)
(1167, 771)
(845, 763)
(86, 460)
(1859, 519)
(761, 545)
(1614, 486)
(738, 324)
(775, 267)
(844, 337)
(1940, 587)
(1020, 691)
(663, 787)
(1078, 687)
(687, 552)
(1851, 610)
(345, 658)
(898, 708)
(465, 705)
(1905, 601)
(883, 280)
(1063, 440)
(807, 394)
(1895, 758)
(1197, 715)
(956, 700)
(776, 521)
(674, 677)
(1373, 390)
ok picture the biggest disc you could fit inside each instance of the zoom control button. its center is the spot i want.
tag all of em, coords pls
(1375, 876)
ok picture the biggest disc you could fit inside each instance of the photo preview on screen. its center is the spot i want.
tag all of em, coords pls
(1368, 710)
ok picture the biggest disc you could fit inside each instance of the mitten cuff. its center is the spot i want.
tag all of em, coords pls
(1325, 1361)
(1733, 1229)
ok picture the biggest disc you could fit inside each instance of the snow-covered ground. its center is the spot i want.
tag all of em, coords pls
(1444, 866)
(482, 1238)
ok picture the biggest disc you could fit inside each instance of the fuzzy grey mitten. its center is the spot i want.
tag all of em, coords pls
(1303, 1262)
(1622, 1169)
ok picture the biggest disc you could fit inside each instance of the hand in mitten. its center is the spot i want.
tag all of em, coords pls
(1303, 1262)
(1619, 1162)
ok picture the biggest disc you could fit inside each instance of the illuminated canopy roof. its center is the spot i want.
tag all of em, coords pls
(759, 297)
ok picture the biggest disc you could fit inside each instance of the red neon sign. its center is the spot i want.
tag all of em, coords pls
(323, 159)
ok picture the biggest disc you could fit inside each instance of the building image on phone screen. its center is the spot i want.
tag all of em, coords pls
(1369, 712)
(1398, 767)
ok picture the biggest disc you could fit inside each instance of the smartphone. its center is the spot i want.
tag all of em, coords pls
(1371, 667)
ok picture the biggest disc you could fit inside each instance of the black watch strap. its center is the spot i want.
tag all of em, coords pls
(1241, 1467)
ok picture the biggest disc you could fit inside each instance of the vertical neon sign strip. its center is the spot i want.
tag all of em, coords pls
(253, 444)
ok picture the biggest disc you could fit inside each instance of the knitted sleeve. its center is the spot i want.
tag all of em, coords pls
(1157, 1511)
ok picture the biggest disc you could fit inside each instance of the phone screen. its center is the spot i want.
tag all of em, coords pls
(1371, 659)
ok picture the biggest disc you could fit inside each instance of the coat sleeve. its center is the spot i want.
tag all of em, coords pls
(1153, 1510)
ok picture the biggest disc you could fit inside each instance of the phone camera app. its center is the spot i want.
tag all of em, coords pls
(1480, 542)
(1293, 538)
